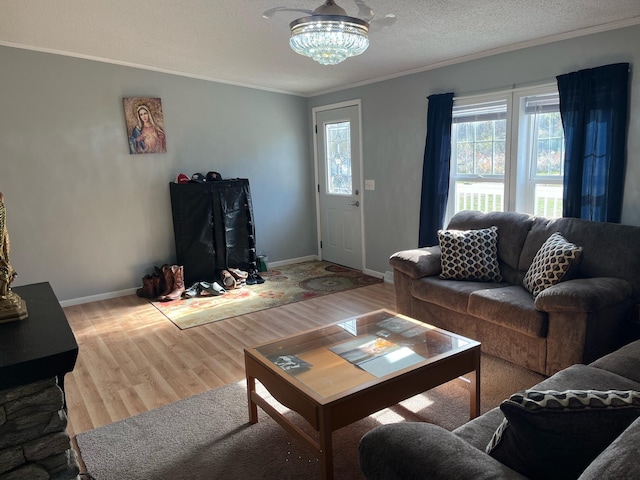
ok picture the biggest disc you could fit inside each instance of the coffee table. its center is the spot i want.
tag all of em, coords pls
(340, 373)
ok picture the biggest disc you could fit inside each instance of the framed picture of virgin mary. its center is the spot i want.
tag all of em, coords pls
(145, 125)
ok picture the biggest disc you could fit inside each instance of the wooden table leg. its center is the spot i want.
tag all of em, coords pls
(326, 447)
(253, 408)
(474, 391)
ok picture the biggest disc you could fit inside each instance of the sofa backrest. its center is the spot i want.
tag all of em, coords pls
(513, 229)
(608, 249)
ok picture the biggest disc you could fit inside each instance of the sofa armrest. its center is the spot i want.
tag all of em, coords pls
(584, 295)
(415, 450)
(419, 262)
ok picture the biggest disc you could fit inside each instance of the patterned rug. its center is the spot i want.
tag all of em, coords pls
(283, 285)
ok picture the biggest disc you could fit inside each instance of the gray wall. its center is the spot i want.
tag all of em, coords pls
(394, 126)
(89, 217)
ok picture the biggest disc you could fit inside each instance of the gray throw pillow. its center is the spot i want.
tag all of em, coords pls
(470, 254)
(551, 263)
(556, 435)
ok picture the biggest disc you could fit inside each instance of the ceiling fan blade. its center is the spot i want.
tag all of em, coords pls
(272, 11)
(386, 21)
(365, 12)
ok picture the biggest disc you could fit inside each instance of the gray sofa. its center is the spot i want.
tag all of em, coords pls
(604, 448)
(576, 321)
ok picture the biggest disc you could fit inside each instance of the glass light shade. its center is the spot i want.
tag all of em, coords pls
(329, 39)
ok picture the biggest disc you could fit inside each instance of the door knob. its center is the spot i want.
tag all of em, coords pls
(355, 204)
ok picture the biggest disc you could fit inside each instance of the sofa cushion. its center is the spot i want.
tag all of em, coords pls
(619, 460)
(451, 294)
(511, 307)
(624, 362)
(586, 377)
(470, 254)
(417, 450)
(556, 434)
(551, 263)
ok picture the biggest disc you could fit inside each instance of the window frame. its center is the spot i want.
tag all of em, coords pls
(519, 182)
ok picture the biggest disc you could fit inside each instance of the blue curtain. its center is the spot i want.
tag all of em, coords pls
(435, 170)
(594, 109)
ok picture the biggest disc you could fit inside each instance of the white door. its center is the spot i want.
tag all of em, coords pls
(339, 185)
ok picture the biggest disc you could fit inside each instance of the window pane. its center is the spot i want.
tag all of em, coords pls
(548, 201)
(484, 196)
(480, 147)
(464, 158)
(464, 132)
(549, 145)
(338, 158)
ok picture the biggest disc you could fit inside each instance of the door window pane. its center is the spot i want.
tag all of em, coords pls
(338, 158)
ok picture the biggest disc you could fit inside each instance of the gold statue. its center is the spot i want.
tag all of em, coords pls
(12, 307)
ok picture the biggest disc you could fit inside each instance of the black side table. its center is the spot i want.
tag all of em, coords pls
(39, 347)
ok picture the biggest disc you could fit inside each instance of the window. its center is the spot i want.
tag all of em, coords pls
(338, 148)
(507, 153)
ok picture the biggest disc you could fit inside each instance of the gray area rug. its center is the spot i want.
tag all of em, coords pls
(208, 436)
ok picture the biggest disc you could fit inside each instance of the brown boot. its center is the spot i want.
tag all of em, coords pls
(167, 276)
(178, 284)
(147, 290)
(157, 285)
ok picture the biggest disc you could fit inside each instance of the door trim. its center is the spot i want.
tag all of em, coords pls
(314, 111)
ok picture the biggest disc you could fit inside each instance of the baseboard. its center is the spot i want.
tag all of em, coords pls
(387, 276)
(372, 273)
(131, 291)
(289, 261)
(99, 297)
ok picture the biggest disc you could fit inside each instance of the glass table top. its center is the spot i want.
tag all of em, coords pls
(359, 350)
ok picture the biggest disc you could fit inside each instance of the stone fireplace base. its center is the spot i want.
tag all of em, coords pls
(34, 443)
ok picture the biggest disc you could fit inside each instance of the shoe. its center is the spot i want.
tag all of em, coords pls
(147, 287)
(193, 291)
(254, 278)
(238, 274)
(167, 277)
(228, 280)
(212, 288)
(157, 284)
(178, 284)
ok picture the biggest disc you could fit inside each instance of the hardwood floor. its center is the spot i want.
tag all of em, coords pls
(133, 359)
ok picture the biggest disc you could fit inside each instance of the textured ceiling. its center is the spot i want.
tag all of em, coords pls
(231, 41)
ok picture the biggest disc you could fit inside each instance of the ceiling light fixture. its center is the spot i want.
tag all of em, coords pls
(329, 35)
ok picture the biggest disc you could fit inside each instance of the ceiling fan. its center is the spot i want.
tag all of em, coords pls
(365, 13)
(327, 34)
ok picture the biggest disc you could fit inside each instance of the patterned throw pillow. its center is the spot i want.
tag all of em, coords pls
(470, 254)
(551, 263)
(551, 434)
